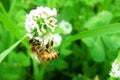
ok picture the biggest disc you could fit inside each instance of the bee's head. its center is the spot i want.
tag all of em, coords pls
(33, 41)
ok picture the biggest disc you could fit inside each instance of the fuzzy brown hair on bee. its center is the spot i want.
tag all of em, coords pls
(36, 45)
(43, 53)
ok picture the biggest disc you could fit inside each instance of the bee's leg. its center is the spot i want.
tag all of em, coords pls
(47, 45)
(51, 45)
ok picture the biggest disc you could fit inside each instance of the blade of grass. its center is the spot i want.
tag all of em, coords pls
(107, 29)
(12, 7)
(6, 52)
(2, 9)
(11, 27)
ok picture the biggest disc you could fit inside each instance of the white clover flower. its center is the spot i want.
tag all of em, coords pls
(65, 26)
(40, 23)
(115, 71)
(39, 20)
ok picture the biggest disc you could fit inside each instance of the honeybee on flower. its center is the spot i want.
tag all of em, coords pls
(39, 24)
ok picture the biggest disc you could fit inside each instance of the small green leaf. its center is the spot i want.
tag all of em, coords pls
(89, 41)
(6, 52)
(96, 48)
(97, 51)
(101, 19)
(111, 41)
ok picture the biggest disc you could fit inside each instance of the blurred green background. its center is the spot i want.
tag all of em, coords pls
(81, 59)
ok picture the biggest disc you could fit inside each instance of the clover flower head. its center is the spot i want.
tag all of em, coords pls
(65, 26)
(40, 19)
(40, 23)
(115, 71)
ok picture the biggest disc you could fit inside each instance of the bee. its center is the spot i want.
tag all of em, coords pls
(43, 53)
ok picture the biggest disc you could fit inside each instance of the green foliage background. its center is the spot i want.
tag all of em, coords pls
(86, 54)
